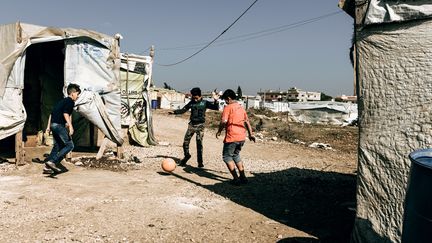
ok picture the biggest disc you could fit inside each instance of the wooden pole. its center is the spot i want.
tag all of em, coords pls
(19, 149)
(120, 151)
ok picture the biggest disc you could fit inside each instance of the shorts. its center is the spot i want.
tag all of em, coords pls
(231, 151)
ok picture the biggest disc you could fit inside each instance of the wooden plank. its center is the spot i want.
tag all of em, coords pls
(102, 148)
(120, 151)
(19, 149)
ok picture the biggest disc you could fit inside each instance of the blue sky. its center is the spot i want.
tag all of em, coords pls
(311, 57)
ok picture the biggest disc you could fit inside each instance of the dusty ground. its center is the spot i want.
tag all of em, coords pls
(295, 194)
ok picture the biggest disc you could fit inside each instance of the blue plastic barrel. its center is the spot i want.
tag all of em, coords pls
(154, 104)
(417, 225)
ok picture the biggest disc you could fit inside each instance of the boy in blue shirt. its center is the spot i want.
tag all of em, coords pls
(60, 124)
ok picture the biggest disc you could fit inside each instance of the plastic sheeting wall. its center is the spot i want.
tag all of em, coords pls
(395, 110)
(86, 65)
(135, 73)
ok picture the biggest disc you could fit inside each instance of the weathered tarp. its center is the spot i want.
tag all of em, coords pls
(385, 11)
(12, 115)
(90, 59)
(317, 112)
(367, 12)
(393, 65)
(324, 112)
(136, 114)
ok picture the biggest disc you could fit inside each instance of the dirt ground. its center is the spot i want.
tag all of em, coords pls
(295, 193)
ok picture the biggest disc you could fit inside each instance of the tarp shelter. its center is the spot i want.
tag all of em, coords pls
(323, 112)
(37, 63)
(136, 73)
(393, 66)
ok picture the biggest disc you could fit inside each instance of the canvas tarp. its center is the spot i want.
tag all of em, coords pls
(385, 11)
(91, 60)
(367, 12)
(136, 72)
(394, 78)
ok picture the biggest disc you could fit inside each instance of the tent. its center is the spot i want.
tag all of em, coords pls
(136, 73)
(37, 63)
(392, 61)
(323, 112)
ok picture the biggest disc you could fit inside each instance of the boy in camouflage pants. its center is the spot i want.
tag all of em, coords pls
(198, 108)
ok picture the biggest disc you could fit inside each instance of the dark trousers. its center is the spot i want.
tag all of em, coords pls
(199, 130)
(63, 143)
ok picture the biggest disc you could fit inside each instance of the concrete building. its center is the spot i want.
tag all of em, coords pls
(297, 95)
(293, 94)
(166, 99)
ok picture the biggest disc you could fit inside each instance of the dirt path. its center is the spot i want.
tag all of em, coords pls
(295, 194)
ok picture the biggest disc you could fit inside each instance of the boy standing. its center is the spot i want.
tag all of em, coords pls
(236, 123)
(60, 123)
(198, 108)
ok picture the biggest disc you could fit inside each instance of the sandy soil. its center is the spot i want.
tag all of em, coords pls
(295, 194)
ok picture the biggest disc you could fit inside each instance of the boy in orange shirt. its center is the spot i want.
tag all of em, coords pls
(236, 123)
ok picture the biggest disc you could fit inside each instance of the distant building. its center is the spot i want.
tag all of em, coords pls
(293, 95)
(298, 95)
(272, 95)
(166, 99)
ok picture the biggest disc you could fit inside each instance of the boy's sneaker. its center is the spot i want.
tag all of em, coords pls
(47, 171)
(62, 168)
(52, 166)
(185, 160)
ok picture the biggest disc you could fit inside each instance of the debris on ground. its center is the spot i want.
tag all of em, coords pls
(111, 163)
(321, 145)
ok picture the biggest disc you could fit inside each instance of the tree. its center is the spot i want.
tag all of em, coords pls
(166, 86)
(325, 97)
(239, 93)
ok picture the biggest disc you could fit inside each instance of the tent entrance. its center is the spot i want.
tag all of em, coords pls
(43, 84)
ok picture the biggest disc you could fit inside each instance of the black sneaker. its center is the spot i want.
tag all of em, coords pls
(185, 160)
(52, 166)
(62, 168)
(47, 171)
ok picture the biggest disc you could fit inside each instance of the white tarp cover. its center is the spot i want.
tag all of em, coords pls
(12, 115)
(324, 112)
(89, 102)
(92, 60)
(385, 11)
(85, 64)
(394, 72)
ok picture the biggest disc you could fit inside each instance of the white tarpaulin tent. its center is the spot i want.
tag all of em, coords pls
(37, 63)
(325, 112)
(393, 63)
